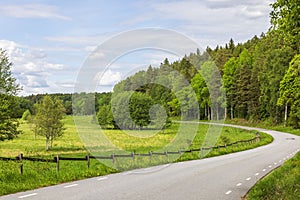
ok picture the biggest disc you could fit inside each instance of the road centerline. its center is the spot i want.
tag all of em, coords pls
(228, 192)
(27, 195)
(73, 185)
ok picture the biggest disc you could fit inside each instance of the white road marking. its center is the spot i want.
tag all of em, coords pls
(102, 178)
(239, 184)
(248, 179)
(256, 174)
(270, 166)
(68, 186)
(264, 170)
(228, 192)
(280, 161)
(28, 195)
(275, 163)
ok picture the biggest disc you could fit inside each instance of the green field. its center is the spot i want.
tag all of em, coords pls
(38, 174)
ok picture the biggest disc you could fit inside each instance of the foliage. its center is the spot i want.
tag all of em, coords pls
(105, 117)
(8, 90)
(290, 91)
(285, 19)
(26, 116)
(47, 120)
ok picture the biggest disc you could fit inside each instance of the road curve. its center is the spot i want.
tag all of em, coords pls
(223, 177)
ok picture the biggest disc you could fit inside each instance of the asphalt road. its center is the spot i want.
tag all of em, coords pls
(224, 177)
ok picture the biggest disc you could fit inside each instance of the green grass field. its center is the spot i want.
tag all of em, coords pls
(38, 174)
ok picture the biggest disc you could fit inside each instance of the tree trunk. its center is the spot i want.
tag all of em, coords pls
(208, 113)
(285, 114)
(47, 144)
(217, 109)
(225, 113)
(231, 112)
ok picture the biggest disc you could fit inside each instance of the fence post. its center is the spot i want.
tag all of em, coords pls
(57, 163)
(179, 152)
(201, 151)
(113, 158)
(166, 152)
(132, 154)
(150, 154)
(21, 164)
(88, 161)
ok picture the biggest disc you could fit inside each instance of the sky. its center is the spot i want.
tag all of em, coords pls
(49, 41)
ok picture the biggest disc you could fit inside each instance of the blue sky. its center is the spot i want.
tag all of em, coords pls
(48, 41)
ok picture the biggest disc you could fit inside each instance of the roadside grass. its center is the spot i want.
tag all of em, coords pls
(38, 174)
(282, 183)
(266, 125)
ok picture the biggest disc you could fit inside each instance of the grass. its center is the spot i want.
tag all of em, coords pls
(27, 144)
(72, 144)
(282, 183)
(266, 125)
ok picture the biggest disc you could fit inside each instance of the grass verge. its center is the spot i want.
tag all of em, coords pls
(282, 183)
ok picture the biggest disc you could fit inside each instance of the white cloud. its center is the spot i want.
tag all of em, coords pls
(30, 67)
(109, 78)
(216, 20)
(32, 11)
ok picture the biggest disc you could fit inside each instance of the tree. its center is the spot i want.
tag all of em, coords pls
(159, 117)
(229, 83)
(8, 91)
(290, 92)
(139, 106)
(285, 19)
(246, 91)
(105, 117)
(48, 119)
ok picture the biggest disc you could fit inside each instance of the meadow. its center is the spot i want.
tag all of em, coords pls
(72, 144)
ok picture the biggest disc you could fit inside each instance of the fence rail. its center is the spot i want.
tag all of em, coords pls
(113, 156)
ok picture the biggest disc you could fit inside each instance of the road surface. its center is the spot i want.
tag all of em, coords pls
(224, 177)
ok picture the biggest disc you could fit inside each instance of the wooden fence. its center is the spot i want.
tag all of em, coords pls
(113, 156)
